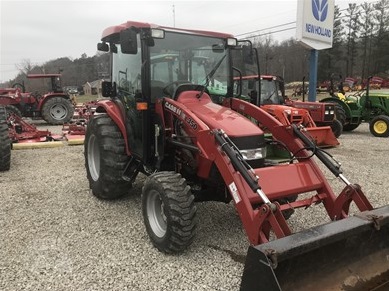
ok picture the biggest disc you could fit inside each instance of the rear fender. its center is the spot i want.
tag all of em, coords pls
(114, 111)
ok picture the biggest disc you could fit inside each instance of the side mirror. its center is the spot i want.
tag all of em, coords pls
(102, 46)
(128, 41)
(108, 89)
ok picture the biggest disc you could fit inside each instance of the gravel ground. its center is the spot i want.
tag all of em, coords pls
(56, 235)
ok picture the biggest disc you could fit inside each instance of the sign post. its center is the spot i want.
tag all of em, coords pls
(314, 29)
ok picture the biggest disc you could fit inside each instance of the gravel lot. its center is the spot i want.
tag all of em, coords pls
(56, 235)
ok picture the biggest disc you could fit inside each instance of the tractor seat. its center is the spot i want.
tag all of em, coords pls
(187, 87)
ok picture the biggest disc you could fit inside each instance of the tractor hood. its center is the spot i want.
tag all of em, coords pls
(217, 116)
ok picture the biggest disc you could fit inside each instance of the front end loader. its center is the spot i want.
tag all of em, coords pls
(174, 114)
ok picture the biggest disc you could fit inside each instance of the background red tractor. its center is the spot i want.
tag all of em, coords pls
(54, 106)
(273, 92)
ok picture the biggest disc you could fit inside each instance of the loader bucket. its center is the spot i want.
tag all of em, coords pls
(323, 136)
(350, 254)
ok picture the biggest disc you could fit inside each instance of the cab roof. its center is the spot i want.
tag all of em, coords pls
(111, 32)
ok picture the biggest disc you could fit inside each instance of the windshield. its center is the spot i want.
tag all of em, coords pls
(187, 58)
(270, 90)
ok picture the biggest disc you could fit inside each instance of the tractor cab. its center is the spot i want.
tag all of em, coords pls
(271, 88)
(151, 62)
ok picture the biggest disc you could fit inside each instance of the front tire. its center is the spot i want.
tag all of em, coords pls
(5, 142)
(340, 113)
(379, 126)
(105, 158)
(169, 211)
(57, 110)
(337, 127)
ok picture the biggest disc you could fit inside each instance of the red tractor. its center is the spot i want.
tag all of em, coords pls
(178, 119)
(273, 92)
(273, 101)
(54, 106)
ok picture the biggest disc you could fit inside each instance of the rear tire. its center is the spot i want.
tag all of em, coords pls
(350, 127)
(169, 211)
(5, 142)
(13, 109)
(105, 158)
(337, 127)
(379, 126)
(57, 110)
(340, 114)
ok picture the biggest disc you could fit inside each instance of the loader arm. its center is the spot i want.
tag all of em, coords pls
(337, 206)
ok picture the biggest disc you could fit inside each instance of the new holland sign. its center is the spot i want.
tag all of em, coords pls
(315, 23)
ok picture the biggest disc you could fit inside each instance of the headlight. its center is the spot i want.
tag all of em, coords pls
(288, 111)
(253, 154)
(326, 112)
(332, 112)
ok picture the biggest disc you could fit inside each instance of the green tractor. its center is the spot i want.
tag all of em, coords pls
(364, 106)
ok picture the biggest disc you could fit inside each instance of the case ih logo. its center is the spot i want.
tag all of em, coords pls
(320, 9)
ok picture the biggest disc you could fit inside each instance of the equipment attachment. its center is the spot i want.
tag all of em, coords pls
(351, 254)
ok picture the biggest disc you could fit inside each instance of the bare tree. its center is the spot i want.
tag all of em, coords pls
(25, 67)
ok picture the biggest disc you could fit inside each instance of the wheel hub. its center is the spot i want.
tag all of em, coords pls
(380, 127)
(58, 111)
(93, 158)
(156, 215)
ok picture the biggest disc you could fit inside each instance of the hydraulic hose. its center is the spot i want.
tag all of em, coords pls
(319, 153)
(239, 165)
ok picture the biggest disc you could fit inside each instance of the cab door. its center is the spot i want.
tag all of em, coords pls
(127, 74)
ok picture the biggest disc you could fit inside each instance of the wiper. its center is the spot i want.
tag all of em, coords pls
(271, 95)
(210, 75)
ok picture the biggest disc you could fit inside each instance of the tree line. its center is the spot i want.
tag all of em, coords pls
(360, 49)
(75, 72)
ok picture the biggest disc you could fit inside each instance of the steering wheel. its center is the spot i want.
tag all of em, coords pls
(19, 86)
(170, 88)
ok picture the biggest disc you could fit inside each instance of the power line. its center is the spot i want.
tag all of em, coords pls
(288, 23)
(276, 26)
(271, 32)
